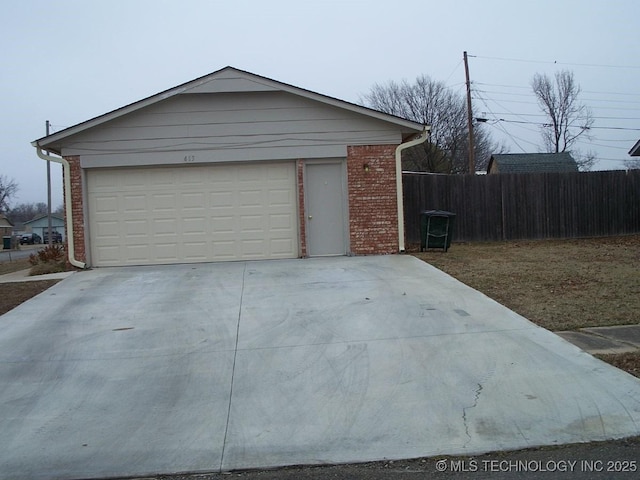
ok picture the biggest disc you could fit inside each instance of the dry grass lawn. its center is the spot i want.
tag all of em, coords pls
(16, 265)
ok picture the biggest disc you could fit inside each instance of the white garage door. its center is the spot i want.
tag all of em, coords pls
(143, 216)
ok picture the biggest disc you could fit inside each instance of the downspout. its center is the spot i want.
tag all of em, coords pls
(67, 202)
(400, 197)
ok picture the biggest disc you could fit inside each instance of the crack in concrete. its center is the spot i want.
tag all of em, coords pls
(464, 412)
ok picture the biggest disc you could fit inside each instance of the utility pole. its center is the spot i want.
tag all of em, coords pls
(472, 162)
(49, 227)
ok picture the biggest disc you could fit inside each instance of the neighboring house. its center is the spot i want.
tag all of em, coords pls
(233, 166)
(40, 225)
(531, 163)
(6, 227)
(635, 150)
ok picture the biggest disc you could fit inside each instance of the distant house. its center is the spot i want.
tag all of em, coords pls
(6, 227)
(531, 163)
(635, 150)
(40, 225)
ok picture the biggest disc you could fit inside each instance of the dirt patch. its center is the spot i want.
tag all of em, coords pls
(13, 294)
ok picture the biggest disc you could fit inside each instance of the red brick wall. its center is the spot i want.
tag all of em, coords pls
(373, 209)
(301, 216)
(77, 208)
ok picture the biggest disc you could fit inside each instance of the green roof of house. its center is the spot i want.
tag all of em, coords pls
(533, 162)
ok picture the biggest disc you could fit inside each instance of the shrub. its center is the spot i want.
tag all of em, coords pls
(50, 259)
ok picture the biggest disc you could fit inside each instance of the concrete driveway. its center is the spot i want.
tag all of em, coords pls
(133, 371)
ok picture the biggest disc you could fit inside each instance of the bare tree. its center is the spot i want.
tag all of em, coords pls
(8, 189)
(585, 161)
(632, 163)
(568, 118)
(431, 103)
(24, 212)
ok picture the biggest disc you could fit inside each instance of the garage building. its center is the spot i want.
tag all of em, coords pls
(232, 166)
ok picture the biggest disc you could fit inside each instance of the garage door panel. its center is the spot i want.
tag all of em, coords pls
(223, 199)
(165, 227)
(106, 204)
(224, 249)
(135, 203)
(193, 200)
(280, 247)
(136, 253)
(194, 226)
(250, 224)
(251, 198)
(109, 255)
(163, 201)
(166, 252)
(222, 225)
(279, 197)
(280, 223)
(144, 216)
(135, 228)
(252, 248)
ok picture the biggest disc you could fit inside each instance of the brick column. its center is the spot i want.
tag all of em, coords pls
(77, 207)
(373, 208)
(301, 218)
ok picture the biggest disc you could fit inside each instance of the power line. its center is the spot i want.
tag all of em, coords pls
(529, 88)
(590, 128)
(605, 146)
(594, 117)
(453, 71)
(555, 62)
(619, 140)
(504, 130)
(531, 95)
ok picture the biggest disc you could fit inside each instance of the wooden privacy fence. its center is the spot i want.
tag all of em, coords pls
(527, 206)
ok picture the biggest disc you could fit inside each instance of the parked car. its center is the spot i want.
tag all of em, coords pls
(30, 238)
(56, 237)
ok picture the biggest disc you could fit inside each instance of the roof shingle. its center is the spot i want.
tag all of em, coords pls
(532, 163)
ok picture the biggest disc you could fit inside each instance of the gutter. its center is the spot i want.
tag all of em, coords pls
(399, 191)
(67, 202)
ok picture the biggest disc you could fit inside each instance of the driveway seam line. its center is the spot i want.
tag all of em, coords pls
(233, 369)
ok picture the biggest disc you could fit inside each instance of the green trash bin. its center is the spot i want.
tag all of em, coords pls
(436, 229)
(6, 243)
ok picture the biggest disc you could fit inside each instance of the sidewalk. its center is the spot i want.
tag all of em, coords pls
(23, 276)
(605, 340)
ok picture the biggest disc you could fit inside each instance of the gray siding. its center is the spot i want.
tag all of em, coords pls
(221, 127)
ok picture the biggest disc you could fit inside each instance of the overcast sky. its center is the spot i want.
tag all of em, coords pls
(68, 61)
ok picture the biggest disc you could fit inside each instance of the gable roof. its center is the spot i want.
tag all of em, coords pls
(5, 222)
(40, 217)
(635, 150)
(226, 80)
(533, 162)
